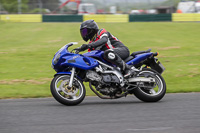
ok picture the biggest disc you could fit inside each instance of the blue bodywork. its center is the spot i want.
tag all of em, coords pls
(138, 58)
(97, 54)
(63, 60)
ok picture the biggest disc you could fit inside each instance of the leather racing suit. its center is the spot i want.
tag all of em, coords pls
(114, 50)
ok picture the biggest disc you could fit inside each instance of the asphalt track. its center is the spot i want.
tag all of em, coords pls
(175, 113)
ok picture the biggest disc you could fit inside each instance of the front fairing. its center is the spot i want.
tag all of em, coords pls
(67, 59)
(97, 54)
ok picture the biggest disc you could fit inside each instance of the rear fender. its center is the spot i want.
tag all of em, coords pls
(156, 65)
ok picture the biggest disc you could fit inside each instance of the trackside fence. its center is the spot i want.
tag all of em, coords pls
(175, 17)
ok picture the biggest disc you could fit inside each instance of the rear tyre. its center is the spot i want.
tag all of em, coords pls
(156, 92)
(65, 95)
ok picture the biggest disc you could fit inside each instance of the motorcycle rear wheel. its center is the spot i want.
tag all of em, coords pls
(63, 94)
(154, 94)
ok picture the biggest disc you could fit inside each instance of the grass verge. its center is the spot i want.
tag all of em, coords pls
(26, 51)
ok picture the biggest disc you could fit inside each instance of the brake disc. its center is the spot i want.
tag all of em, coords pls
(68, 90)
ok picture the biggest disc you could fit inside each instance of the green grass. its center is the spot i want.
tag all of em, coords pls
(26, 51)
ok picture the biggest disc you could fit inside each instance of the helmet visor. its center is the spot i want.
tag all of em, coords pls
(84, 32)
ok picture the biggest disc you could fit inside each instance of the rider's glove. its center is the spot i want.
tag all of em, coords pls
(90, 45)
(84, 47)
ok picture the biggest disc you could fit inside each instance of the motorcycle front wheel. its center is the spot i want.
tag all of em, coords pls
(154, 92)
(67, 95)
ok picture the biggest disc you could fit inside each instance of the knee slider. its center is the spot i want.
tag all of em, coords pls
(110, 55)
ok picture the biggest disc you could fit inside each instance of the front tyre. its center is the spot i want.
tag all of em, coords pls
(64, 94)
(152, 92)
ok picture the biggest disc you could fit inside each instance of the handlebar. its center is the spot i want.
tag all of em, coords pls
(77, 50)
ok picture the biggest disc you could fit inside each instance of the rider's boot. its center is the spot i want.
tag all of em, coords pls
(116, 60)
(126, 69)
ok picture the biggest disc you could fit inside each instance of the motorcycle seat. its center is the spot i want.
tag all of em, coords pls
(129, 58)
(140, 52)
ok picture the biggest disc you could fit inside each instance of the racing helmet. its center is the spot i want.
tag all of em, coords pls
(88, 29)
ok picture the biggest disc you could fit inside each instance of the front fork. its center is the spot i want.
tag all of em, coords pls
(71, 77)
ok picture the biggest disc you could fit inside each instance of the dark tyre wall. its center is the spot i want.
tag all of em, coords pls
(150, 17)
(62, 18)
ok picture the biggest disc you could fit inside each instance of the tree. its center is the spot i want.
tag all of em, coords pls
(11, 6)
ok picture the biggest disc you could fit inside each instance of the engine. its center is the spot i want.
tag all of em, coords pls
(103, 78)
(93, 76)
(107, 84)
(108, 78)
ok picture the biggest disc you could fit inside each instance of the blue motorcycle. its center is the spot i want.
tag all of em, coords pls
(105, 79)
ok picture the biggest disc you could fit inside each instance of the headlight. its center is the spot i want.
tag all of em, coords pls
(56, 59)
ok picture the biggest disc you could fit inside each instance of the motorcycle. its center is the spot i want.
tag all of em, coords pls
(105, 79)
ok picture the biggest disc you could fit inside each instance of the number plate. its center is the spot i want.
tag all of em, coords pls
(161, 66)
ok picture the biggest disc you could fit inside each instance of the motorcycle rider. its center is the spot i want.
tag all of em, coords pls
(114, 50)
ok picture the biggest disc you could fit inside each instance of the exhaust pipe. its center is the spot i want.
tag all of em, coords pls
(141, 80)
